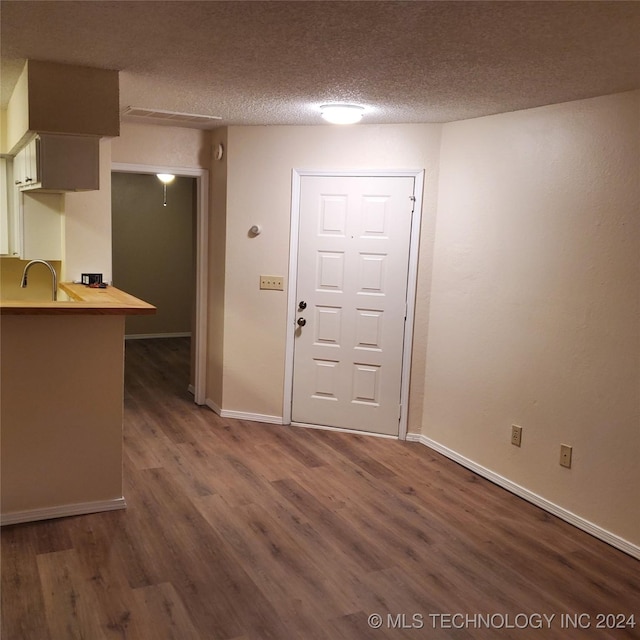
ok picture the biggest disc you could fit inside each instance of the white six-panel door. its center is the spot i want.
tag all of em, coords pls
(352, 266)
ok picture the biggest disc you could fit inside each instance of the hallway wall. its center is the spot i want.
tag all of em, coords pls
(153, 249)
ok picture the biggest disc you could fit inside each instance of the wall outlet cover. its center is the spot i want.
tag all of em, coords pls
(565, 455)
(516, 435)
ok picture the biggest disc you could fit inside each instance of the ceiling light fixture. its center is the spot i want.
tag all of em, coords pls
(165, 178)
(342, 113)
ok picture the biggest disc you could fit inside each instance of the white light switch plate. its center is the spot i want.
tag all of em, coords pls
(274, 283)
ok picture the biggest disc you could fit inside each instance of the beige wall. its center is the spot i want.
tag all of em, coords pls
(163, 146)
(535, 303)
(61, 434)
(87, 231)
(153, 249)
(259, 166)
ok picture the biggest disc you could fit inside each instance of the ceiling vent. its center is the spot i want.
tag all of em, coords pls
(172, 118)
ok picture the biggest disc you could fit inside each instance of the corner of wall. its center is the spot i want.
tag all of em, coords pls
(18, 111)
(216, 261)
(4, 142)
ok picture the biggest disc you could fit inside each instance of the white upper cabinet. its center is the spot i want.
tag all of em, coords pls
(25, 169)
(58, 162)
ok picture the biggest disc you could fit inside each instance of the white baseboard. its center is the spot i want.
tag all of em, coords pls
(213, 406)
(146, 336)
(241, 415)
(267, 419)
(341, 430)
(562, 513)
(254, 417)
(62, 511)
(191, 389)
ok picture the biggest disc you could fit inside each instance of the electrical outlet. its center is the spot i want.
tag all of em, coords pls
(516, 435)
(565, 455)
(274, 283)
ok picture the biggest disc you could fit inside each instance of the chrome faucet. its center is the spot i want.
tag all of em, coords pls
(54, 277)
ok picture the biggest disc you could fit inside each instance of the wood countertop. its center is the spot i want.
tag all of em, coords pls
(82, 300)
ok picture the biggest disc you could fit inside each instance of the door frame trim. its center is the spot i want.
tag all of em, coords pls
(412, 279)
(202, 252)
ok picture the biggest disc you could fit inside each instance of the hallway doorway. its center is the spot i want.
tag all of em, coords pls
(159, 251)
(153, 251)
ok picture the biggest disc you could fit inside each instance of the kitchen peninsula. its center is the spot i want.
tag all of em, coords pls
(62, 386)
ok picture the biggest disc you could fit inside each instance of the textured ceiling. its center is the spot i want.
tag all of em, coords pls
(275, 62)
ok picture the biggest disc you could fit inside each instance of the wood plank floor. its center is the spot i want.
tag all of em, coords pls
(237, 530)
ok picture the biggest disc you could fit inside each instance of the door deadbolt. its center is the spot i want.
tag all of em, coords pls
(301, 322)
(302, 305)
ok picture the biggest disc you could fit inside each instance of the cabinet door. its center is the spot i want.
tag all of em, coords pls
(25, 166)
(57, 162)
(31, 164)
(69, 163)
(4, 208)
(10, 231)
(19, 171)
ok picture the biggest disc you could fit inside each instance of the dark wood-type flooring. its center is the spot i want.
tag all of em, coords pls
(239, 530)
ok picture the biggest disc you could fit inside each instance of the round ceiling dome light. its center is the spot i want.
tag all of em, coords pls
(342, 113)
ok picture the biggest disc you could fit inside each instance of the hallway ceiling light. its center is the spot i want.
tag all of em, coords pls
(165, 178)
(342, 113)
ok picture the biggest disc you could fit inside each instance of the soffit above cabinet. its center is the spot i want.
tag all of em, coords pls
(58, 98)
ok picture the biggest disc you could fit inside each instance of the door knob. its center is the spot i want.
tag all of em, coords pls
(301, 322)
(302, 305)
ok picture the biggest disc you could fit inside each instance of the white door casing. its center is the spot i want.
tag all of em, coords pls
(353, 248)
